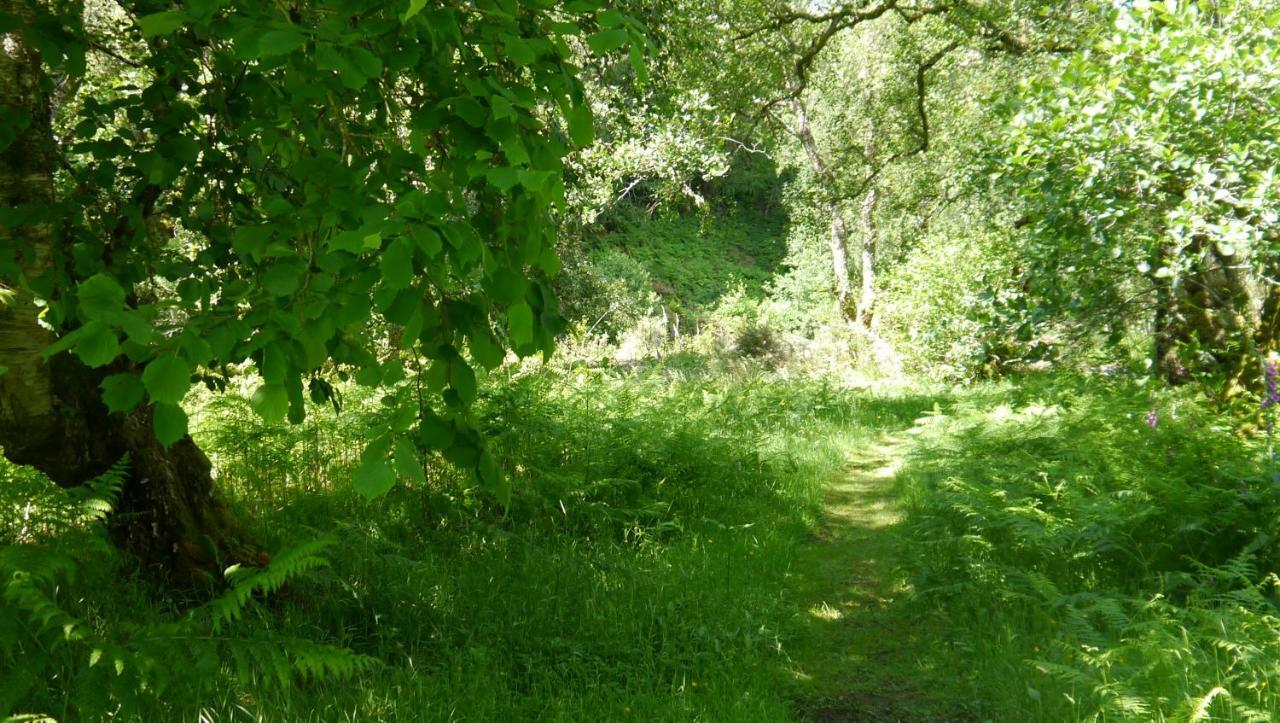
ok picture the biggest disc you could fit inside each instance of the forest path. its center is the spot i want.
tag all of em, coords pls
(864, 658)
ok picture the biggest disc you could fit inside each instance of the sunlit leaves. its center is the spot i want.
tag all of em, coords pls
(161, 23)
(99, 295)
(167, 379)
(271, 402)
(1146, 165)
(329, 191)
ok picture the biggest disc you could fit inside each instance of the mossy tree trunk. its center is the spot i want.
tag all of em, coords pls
(51, 413)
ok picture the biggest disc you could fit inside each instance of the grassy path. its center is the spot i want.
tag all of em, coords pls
(863, 657)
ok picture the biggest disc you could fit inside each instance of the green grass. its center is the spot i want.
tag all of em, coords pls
(687, 544)
(641, 572)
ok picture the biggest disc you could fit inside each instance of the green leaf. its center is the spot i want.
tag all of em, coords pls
(506, 286)
(369, 65)
(283, 278)
(408, 463)
(518, 50)
(638, 64)
(167, 379)
(275, 364)
(607, 40)
(161, 23)
(97, 345)
(501, 107)
(63, 343)
(415, 7)
(582, 125)
(169, 422)
(271, 402)
(492, 477)
(373, 479)
(122, 392)
(520, 324)
(280, 42)
(356, 242)
(610, 19)
(503, 178)
(463, 380)
(485, 349)
(427, 239)
(434, 432)
(397, 264)
(99, 294)
(135, 326)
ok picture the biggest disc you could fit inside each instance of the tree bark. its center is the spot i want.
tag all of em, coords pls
(839, 241)
(867, 302)
(51, 412)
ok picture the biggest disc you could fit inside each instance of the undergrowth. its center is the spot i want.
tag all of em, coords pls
(1082, 550)
(1106, 554)
(639, 573)
(80, 639)
(696, 259)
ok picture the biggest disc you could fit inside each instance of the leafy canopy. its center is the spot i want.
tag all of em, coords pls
(291, 183)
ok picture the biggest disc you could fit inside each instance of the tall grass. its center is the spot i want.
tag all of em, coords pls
(1075, 550)
(640, 572)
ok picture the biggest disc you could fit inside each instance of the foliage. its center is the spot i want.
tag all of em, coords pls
(695, 259)
(1064, 183)
(1146, 166)
(72, 654)
(1097, 553)
(638, 573)
(945, 302)
(608, 292)
(282, 168)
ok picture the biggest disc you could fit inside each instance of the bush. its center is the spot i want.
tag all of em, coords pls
(608, 293)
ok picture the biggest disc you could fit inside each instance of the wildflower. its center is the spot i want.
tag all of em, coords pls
(1273, 395)
(1153, 419)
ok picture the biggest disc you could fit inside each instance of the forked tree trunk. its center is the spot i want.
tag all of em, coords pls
(839, 240)
(867, 302)
(51, 412)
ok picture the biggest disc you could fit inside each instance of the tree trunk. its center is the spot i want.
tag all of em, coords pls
(839, 234)
(51, 412)
(867, 303)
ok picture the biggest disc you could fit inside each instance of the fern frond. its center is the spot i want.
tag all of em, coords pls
(1201, 710)
(288, 564)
